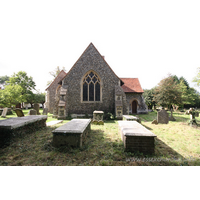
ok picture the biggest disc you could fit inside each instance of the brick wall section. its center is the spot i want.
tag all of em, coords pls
(90, 60)
(141, 144)
(51, 91)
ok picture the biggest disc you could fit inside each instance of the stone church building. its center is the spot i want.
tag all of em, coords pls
(90, 85)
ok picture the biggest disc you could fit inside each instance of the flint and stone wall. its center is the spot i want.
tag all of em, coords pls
(141, 106)
(51, 92)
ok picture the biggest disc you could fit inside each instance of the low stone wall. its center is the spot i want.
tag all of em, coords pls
(136, 137)
(72, 133)
(16, 127)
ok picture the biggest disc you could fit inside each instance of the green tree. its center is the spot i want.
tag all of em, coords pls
(11, 95)
(40, 98)
(168, 93)
(149, 97)
(196, 79)
(30, 98)
(188, 94)
(184, 81)
(3, 79)
(23, 80)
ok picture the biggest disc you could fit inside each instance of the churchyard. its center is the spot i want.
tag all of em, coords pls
(176, 144)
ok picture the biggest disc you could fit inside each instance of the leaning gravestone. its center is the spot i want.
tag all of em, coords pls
(19, 112)
(32, 112)
(45, 111)
(163, 117)
(4, 113)
(36, 107)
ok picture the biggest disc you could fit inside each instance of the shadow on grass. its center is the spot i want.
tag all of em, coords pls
(168, 156)
(102, 147)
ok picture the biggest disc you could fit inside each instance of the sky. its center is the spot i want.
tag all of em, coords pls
(139, 39)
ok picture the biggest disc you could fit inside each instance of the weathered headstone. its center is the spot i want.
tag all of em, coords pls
(32, 112)
(163, 117)
(196, 114)
(98, 117)
(19, 112)
(36, 106)
(45, 111)
(192, 114)
(9, 112)
(4, 113)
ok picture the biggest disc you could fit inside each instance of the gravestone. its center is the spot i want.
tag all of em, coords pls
(4, 113)
(98, 117)
(9, 112)
(196, 114)
(45, 111)
(32, 112)
(162, 117)
(19, 112)
(192, 114)
(36, 106)
(171, 118)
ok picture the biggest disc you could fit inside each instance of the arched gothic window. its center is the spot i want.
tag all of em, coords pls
(91, 87)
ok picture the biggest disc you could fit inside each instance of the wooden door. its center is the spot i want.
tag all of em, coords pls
(134, 107)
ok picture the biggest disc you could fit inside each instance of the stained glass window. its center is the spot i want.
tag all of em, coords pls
(97, 92)
(91, 74)
(91, 92)
(91, 87)
(94, 79)
(88, 79)
(85, 92)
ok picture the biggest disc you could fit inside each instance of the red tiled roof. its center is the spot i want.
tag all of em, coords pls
(131, 85)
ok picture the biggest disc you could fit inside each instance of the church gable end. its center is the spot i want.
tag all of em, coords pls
(91, 84)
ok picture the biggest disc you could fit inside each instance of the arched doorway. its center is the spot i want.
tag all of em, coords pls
(134, 106)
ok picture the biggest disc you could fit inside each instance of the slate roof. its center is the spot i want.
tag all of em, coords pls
(131, 85)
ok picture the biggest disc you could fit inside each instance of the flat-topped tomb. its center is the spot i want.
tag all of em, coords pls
(16, 126)
(136, 137)
(72, 133)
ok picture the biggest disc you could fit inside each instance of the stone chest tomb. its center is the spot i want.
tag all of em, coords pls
(72, 133)
(17, 126)
(136, 137)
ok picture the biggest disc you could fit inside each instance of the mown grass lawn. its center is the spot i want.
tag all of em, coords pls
(176, 144)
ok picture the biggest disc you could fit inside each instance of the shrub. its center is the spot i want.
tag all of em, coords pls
(108, 116)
